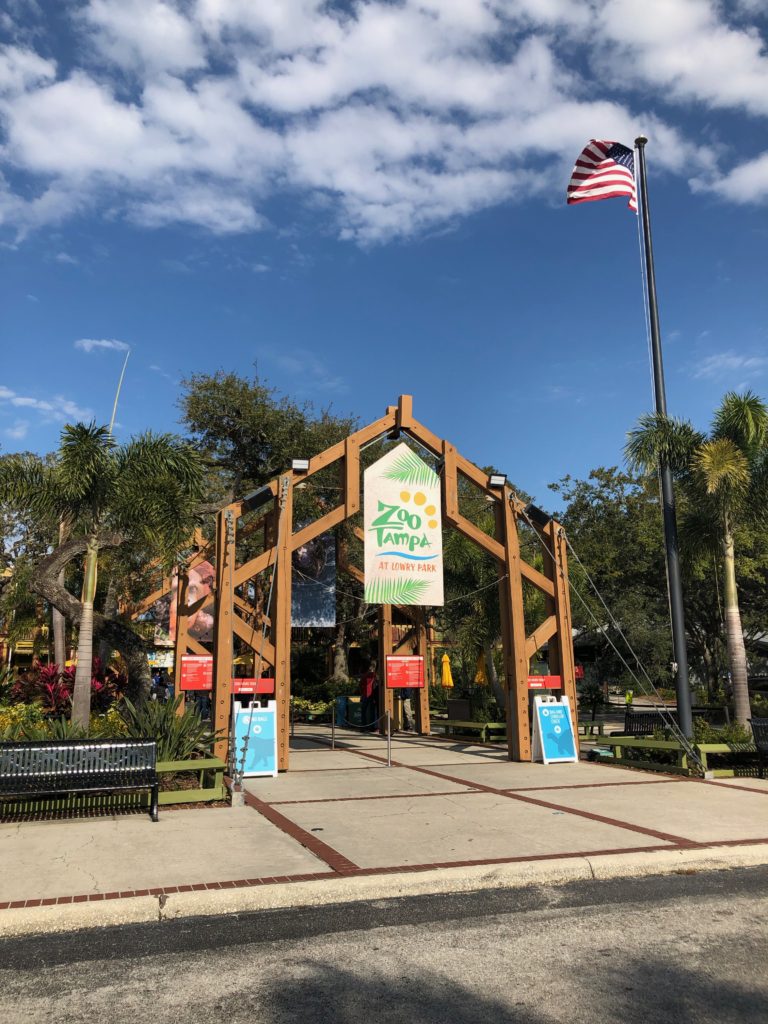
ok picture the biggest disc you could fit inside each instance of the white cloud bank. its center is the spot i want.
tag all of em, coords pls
(388, 118)
(94, 344)
(56, 409)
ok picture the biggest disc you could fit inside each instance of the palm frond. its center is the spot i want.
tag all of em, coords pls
(382, 591)
(722, 467)
(742, 419)
(658, 438)
(412, 471)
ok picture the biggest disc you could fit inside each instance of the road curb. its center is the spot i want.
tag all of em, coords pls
(386, 885)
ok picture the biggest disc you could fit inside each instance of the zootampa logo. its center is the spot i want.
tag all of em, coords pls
(405, 528)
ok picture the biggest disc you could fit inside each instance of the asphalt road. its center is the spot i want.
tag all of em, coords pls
(678, 949)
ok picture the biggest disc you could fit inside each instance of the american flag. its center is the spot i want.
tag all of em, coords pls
(603, 170)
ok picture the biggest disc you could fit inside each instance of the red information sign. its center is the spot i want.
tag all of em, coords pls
(262, 685)
(545, 683)
(196, 672)
(405, 672)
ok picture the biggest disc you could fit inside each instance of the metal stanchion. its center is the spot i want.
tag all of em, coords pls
(333, 726)
(389, 740)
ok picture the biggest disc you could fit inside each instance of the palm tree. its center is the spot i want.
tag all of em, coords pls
(147, 490)
(725, 477)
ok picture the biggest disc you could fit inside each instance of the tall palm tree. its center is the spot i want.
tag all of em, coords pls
(725, 476)
(147, 490)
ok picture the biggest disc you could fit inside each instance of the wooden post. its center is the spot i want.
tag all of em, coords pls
(515, 660)
(566, 663)
(222, 643)
(422, 697)
(281, 620)
(386, 703)
(182, 633)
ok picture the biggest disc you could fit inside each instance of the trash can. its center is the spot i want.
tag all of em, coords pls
(354, 711)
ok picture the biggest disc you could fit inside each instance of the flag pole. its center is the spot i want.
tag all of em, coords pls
(679, 645)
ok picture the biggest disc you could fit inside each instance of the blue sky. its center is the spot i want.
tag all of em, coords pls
(368, 199)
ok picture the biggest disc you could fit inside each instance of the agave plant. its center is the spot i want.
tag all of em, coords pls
(179, 736)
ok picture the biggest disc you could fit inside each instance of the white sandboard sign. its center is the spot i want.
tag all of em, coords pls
(403, 531)
(553, 738)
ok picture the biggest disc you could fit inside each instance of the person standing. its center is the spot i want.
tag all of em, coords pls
(369, 699)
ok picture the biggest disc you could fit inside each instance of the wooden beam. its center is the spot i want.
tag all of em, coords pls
(253, 567)
(516, 660)
(540, 635)
(566, 658)
(538, 579)
(222, 644)
(253, 639)
(480, 537)
(320, 526)
(282, 622)
(352, 476)
(195, 647)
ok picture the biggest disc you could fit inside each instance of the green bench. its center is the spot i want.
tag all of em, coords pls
(623, 745)
(589, 727)
(487, 730)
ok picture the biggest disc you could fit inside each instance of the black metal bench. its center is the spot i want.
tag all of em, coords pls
(760, 732)
(644, 723)
(51, 767)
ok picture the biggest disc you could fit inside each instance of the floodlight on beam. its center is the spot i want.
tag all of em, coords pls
(300, 465)
(537, 516)
(498, 481)
(255, 499)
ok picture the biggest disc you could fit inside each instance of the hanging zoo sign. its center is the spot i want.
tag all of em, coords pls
(403, 531)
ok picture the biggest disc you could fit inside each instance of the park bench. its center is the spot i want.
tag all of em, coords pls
(760, 732)
(623, 747)
(453, 726)
(644, 723)
(53, 767)
(589, 727)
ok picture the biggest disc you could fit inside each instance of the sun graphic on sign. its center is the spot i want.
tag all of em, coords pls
(420, 499)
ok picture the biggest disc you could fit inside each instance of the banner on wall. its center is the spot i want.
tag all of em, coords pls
(403, 531)
(313, 590)
(200, 624)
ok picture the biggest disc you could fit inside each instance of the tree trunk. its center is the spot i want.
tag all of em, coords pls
(81, 697)
(59, 622)
(340, 664)
(110, 611)
(734, 634)
(493, 676)
(121, 638)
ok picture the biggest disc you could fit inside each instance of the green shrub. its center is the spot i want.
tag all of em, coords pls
(179, 736)
(703, 732)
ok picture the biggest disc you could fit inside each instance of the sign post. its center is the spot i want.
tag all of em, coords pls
(553, 739)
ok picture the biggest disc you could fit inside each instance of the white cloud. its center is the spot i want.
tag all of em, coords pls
(93, 344)
(64, 257)
(391, 118)
(18, 431)
(56, 409)
(309, 373)
(144, 34)
(728, 364)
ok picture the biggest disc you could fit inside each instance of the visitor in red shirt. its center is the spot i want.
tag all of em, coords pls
(369, 699)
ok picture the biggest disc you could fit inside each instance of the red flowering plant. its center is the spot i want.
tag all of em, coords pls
(51, 687)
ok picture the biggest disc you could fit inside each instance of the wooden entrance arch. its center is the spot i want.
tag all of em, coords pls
(235, 613)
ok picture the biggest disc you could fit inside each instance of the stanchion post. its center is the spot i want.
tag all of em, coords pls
(389, 738)
(333, 726)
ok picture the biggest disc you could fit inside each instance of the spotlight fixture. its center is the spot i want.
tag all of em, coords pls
(300, 465)
(255, 499)
(537, 516)
(497, 481)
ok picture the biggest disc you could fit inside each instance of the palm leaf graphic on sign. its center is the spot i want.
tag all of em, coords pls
(409, 469)
(395, 591)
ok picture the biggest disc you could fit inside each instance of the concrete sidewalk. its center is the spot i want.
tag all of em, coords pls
(446, 816)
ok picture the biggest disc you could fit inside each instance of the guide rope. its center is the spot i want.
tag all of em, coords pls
(654, 694)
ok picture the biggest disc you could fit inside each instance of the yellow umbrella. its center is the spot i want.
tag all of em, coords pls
(480, 675)
(446, 678)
